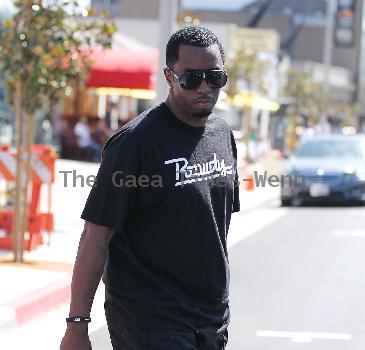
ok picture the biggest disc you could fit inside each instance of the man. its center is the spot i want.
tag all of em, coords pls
(163, 238)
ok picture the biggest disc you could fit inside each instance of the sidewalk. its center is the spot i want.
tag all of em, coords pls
(43, 281)
(252, 199)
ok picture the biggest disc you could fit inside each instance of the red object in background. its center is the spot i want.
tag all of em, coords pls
(31, 241)
(43, 163)
(124, 68)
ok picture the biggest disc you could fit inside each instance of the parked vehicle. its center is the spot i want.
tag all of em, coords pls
(326, 168)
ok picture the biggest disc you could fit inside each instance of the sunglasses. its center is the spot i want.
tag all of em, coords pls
(215, 78)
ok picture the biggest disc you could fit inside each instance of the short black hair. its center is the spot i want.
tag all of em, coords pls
(193, 36)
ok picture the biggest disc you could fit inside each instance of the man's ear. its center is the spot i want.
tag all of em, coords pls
(168, 77)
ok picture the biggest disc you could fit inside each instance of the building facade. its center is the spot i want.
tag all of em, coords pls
(282, 15)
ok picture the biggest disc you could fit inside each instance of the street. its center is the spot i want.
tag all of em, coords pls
(297, 282)
(300, 280)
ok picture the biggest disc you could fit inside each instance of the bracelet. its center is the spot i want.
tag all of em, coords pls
(78, 319)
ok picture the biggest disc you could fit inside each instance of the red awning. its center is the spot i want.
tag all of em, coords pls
(124, 68)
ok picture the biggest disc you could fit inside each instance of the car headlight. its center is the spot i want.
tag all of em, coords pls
(360, 174)
(352, 173)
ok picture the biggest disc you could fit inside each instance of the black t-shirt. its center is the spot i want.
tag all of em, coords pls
(168, 190)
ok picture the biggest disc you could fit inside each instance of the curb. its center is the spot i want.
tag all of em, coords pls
(23, 309)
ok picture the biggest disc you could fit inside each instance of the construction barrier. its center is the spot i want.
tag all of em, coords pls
(42, 177)
(250, 182)
(248, 177)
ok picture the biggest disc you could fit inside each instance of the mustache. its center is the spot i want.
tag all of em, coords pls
(205, 97)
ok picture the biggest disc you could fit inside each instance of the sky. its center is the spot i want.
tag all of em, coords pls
(215, 4)
(85, 3)
(190, 4)
(6, 5)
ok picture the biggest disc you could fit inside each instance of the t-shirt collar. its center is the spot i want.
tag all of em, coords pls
(195, 130)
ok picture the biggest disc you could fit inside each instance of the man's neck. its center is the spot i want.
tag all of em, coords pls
(188, 119)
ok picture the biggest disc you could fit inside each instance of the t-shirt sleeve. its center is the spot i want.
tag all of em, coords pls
(111, 199)
(236, 189)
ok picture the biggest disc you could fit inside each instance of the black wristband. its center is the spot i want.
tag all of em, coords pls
(78, 319)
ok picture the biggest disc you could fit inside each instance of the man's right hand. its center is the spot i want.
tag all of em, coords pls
(76, 338)
(89, 266)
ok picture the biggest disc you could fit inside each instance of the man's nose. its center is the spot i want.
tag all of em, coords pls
(204, 87)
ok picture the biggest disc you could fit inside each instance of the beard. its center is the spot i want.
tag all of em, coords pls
(202, 114)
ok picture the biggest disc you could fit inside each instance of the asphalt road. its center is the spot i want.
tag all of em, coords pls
(299, 282)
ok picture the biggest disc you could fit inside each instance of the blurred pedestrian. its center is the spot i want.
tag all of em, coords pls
(98, 131)
(82, 131)
(68, 139)
(163, 245)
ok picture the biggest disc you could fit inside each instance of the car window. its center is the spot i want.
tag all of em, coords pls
(331, 149)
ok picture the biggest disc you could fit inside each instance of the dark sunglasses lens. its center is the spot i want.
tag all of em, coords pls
(191, 80)
(216, 79)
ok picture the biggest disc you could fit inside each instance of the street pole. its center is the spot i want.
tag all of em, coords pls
(327, 54)
(167, 20)
(360, 91)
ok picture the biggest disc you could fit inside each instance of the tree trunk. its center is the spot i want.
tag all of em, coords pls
(78, 99)
(24, 142)
(28, 174)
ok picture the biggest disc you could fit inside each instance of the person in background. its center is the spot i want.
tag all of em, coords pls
(98, 131)
(82, 131)
(68, 140)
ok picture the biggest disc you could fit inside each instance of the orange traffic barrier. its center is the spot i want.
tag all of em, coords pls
(250, 182)
(42, 164)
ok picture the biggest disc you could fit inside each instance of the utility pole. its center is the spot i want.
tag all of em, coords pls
(167, 20)
(360, 91)
(327, 53)
(255, 21)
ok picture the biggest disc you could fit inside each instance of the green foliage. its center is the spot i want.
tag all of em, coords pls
(245, 68)
(46, 46)
(307, 97)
